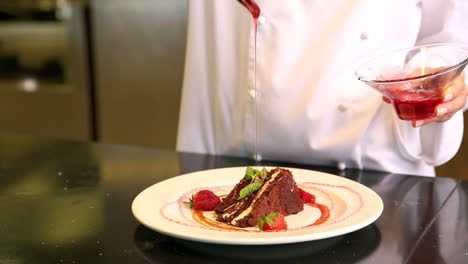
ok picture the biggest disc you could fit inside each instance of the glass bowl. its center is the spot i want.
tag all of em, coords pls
(414, 79)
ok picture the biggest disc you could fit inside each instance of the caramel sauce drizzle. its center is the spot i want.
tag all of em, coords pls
(199, 217)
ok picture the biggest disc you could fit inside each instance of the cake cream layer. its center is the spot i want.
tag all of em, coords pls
(258, 195)
(278, 193)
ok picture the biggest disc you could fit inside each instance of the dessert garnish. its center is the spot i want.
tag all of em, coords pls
(204, 200)
(272, 222)
(256, 178)
(306, 197)
(257, 193)
(260, 199)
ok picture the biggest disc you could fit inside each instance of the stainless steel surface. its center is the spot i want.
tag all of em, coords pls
(31, 105)
(139, 52)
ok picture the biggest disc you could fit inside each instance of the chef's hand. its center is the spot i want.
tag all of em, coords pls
(454, 99)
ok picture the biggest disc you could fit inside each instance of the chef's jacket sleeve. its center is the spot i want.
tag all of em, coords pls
(434, 143)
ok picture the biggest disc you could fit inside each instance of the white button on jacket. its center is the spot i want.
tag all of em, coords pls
(307, 53)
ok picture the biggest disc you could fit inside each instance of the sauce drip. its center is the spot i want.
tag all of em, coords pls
(325, 213)
(253, 8)
(200, 218)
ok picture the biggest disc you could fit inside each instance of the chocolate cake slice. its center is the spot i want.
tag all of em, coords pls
(278, 193)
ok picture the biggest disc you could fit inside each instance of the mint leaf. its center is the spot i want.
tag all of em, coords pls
(249, 189)
(259, 173)
(266, 219)
(273, 215)
(269, 221)
(261, 221)
(250, 173)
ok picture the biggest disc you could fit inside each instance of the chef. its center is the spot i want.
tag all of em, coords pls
(299, 100)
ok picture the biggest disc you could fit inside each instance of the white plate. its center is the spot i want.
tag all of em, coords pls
(352, 207)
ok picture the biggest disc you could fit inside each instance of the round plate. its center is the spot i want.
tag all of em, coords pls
(352, 206)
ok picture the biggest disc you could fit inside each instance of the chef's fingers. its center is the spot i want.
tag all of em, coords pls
(454, 99)
(444, 111)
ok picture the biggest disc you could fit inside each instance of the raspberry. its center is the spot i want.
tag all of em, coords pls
(306, 197)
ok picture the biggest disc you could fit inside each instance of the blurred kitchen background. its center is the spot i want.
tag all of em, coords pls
(108, 71)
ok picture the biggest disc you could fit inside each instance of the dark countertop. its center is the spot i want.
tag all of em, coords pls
(70, 202)
(446, 239)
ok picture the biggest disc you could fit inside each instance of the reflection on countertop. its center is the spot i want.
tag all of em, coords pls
(71, 202)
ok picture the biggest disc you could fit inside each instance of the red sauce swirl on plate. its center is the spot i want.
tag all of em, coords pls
(200, 218)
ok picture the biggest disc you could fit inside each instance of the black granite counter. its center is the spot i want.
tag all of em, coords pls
(70, 202)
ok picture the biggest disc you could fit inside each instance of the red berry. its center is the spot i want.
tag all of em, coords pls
(204, 200)
(207, 204)
(272, 222)
(306, 197)
(204, 194)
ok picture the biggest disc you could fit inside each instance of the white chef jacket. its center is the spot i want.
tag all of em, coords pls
(308, 106)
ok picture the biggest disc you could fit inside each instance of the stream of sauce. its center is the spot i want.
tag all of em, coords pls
(199, 216)
(253, 8)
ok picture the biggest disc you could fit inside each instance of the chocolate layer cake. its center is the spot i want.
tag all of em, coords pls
(278, 193)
